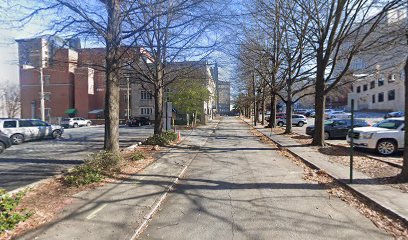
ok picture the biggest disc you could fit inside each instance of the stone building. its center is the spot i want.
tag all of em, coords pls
(224, 97)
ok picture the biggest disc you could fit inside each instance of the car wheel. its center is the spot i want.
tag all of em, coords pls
(139, 124)
(76, 125)
(17, 139)
(300, 124)
(2, 147)
(88, 124)
(150, 123)
(326, 135)
(280, 124)
(386, 147)
(56, 134)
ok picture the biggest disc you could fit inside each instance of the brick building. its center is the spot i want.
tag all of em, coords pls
(73, 77)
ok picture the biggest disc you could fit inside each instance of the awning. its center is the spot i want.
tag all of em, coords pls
(96, 111)
(71, 111)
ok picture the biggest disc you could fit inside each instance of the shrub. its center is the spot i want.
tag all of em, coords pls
(9, 217)
(83, 175)
(137, 155)
(94, 169)
(161, 139)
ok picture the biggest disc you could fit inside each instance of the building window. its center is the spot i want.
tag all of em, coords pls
(365, 87)
(381, 97)
(391, 95)
(46, 80)
(146, 111)
(380, 82)
(352, 88)
(373, 98)
(47, 96)
(372, 84)
(358, 89)
(145, 95)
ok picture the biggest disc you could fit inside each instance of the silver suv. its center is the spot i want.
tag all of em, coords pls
(75, 122)
(20, 130)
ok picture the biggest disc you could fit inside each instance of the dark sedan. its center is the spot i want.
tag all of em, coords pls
(5, 142)
(337, 128)
(138, 121)
(394, 114)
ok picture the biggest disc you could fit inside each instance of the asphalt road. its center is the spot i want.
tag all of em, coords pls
(29, 162)
(240, 188)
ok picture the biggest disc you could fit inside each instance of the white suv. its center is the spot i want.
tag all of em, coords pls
(386, 136)
(75, 122)
(297, 119)
(20, 130)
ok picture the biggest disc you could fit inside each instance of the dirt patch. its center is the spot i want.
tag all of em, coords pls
(49, 199)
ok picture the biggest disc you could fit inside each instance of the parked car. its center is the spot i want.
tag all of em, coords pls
(338, 115)
(75, 122)
(312, 114)
(300, 111)
(337, 128)
(20, 130)
(386, 136)
(297, 119)
(394, 115)
(138, 121)
(278, 115)
(5, 142)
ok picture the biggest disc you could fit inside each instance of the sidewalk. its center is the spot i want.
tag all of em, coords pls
(388, 198)
(120, 210)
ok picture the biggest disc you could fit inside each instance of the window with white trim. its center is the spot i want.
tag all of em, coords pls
(146, 95)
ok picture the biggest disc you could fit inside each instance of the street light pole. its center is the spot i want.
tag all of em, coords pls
(128, 98)
(42, 100)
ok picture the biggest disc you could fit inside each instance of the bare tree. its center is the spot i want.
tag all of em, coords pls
(10, 99)
(178, 32)
(99, 21)
(338, 28)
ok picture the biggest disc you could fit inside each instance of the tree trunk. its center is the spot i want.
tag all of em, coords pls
(320, 100)
(158, 110)
(111, 141)
(272, 118)
(404, 171)
(289, 107)
(263, 106)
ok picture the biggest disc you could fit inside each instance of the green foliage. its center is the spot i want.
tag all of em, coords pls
(94, 169)
(190, 95)
(137, 155)
(9, 217)
(161, 139)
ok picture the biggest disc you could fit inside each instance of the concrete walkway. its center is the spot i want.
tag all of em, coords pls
(240, 188)
(389, 198)
(117, 210)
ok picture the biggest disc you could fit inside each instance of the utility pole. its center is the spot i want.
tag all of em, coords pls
(254, 90)
(42, 100)
(128, 97)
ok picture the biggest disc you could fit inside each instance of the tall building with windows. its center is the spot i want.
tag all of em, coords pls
(224, 97)
(376, 72)
(73, 78)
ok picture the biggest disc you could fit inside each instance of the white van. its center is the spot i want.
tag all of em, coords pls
(20, 130)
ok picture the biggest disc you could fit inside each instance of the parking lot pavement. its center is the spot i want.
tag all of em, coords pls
(394, 158)
(32, 161)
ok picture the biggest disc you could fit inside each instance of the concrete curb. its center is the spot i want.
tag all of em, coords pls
(163, 197)
(390, 212)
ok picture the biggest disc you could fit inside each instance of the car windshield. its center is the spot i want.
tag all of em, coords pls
(389, 124)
